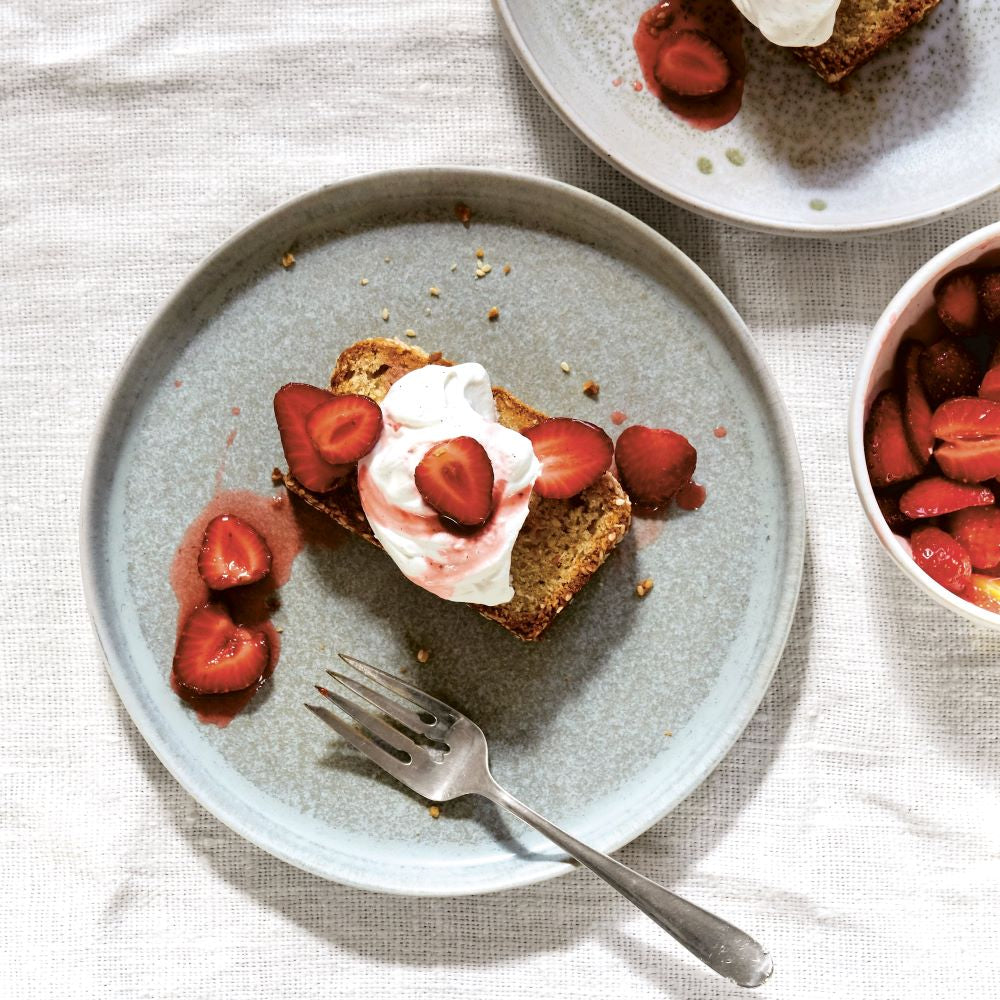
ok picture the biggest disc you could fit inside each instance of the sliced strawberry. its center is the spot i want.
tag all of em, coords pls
(957, 302)
(345, 428)
(989, 388)
(653, 463)
(966, 418)
(455, 477)
(888, 504)
(941, 558)
(983, 591)
(916, 409)
(947, 369)
(989, 295)
(214, 655)
(689, 63)
(969, 461)
(887, 452)
(936, 496)
(574, 455)
(978, 531)
(292, 405)
(232, 554)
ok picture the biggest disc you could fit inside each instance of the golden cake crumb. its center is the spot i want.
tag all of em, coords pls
(435, 811)
(506, 269)
(434, 291)
(288, 260)
(463, 213)
(410, 333)
(276, 476)
(480, 253)
(644, 587)
(564, 366)
(480, 273)
(364, 281)
(591, 388)
(385, 315)
(423, 655)
(493, 314)
(486, 268)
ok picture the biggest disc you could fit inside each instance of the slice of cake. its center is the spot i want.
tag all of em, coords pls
(562, 542)
(861, 30)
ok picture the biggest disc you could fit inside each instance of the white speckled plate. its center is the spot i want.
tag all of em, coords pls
(577, 722)
(913, 138)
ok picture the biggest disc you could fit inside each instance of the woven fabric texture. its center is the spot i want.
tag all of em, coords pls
(855, 827)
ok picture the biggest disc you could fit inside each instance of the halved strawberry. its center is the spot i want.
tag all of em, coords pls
(455, 477)
(947, 369)
(689, 63)
(653, 463)
(989, 388)
(215, 655)
(989, 295)
(966, 418)
(916, 409)
(292, 405)
(936, 495)
(574, 455)
(345, 428)
(887, 452)
(984, 592)
(957, 302)
(978, 531)
(941, 558)
(232, 554)
(970, 460)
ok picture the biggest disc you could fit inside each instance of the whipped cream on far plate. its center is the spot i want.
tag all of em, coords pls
(791, 22)
(421, 409)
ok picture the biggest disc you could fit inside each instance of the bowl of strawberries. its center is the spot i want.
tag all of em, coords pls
(924, 435)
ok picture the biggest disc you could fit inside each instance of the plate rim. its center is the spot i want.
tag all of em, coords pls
(103, 620)
(536, 74)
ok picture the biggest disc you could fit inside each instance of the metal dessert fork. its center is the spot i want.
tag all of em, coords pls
(451, 760)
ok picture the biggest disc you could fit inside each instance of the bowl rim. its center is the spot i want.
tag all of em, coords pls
(693, 203)
(986, 238)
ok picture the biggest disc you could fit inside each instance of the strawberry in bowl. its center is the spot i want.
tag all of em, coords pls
(924, 430)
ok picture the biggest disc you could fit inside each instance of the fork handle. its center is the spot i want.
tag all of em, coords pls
(722, 947)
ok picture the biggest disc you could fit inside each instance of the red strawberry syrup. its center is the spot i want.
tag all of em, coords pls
(718, 19)
(618, 418)
(286, 527)
(691, 496)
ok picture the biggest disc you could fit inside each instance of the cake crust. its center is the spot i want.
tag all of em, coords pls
(862, 29)
(562, 543)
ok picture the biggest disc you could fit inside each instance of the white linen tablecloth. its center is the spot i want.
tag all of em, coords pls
(855, 827)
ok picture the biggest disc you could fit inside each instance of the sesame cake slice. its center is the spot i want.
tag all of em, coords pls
(862, 29)
(562, 543)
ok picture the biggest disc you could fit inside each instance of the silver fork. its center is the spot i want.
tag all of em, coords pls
(460, 767)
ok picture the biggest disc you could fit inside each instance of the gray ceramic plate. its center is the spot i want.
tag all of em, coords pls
(576, 722)
(911, 139)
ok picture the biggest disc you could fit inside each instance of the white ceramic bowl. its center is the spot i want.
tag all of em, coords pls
(909, 303)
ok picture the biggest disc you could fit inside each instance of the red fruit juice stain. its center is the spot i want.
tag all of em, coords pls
(287, 527)
(637, 85)
(235, 411)
(647, 524)
(618, 418)
(720, 431)
(721, 22)
(616, 82)
(691, 496)
(230, 438)
(177, 383)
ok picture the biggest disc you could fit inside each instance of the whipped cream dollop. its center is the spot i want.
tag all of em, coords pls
(423, 408)
(791, 22)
